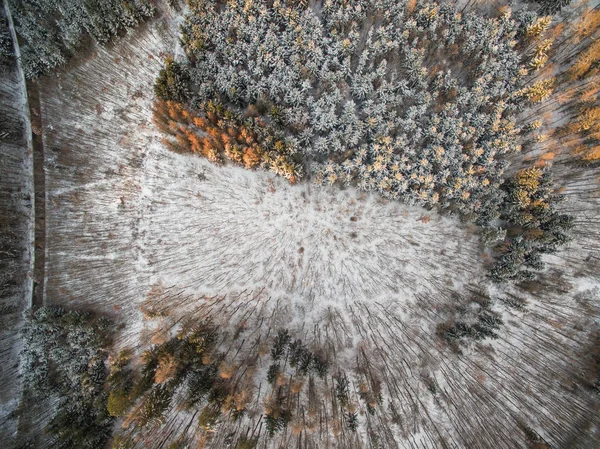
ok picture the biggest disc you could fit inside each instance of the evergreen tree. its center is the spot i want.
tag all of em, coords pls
(52, 30)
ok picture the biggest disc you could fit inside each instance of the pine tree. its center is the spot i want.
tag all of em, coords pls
(172, 83)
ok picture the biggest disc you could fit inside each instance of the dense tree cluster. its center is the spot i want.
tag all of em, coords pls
(417, 104)
(290, 359)
(51, 31)
(173, 82)
(565, 80)
(533, 225)
(187, 363)
(64, 359)
(473, 320)
(190, 372)
(220, 134)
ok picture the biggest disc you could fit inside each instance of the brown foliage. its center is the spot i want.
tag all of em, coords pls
(217, 136)
(589, 120)
(588, 59)
(167, 365)
(252, 157)
(227, 370)
(296, 385)
(297, 427)
(592, 154)
(588, 23)
(544, 159)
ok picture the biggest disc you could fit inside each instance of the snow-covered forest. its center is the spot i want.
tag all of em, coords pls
(52, 31)
(319, 278)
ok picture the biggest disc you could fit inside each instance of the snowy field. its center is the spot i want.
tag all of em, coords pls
(129, 223)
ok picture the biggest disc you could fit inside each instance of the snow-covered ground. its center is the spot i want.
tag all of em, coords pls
(16, 191)
(125, 215)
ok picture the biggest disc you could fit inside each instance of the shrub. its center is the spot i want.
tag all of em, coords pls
(120, 384)
(209, 418)
(246, 443)
(154, 406)
(118, 402)
(123, 442)
(276, 422)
